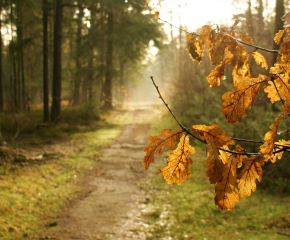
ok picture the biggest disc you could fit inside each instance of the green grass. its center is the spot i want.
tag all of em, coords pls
(33, 194)
(188, 211)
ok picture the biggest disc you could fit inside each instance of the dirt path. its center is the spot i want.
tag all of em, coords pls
(109, 208)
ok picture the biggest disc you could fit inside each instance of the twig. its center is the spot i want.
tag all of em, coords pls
(251, 45)
(288, 235)
(273, 81)
(190, 133)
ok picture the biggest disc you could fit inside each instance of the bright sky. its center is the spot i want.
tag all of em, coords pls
(194, 14)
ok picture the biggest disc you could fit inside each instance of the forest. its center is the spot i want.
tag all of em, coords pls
(82, 85)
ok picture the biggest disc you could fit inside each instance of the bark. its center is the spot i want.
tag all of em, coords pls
(12, 52)
(280, 11)
(1, 69)
(45, 64)
(91, 54)
(109, 64)
(78, 79)
(56, 88)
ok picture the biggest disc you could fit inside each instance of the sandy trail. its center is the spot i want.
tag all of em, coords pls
(109, 208)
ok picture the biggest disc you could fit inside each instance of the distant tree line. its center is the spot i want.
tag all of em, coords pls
(80, 51)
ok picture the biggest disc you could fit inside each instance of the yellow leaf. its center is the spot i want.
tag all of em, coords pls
(213, 162)
(216, 76)
(238, 99)
(176, 170)
(193, 47)
(247, 178)
(217, 53)
(268, 147)
(241, 19)
(278, 36)
(259, 58)
(156, 15)
(284, 143)
(245, 37)
(213, 133)
(224, 156)
(158, 143)
(238, 157)
(226, 194)
(282, 84)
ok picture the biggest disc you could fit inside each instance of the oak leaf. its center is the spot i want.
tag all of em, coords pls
(268, 147)
(156, 15)
(245, 37)
(283, 87)
(226, 193)
(224, 155)
(193, 47)
(259, 59)
(284, 143)
(250, 172)
(158, 143)
(241, 19)
(278, 36)
(213, 162)
(238, 99)
(217, 53)
(239, 157)
(213, 133)
(176, 170)
(216, 76)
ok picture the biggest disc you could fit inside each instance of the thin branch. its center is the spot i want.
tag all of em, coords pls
(251, 45)
(190, 133)
(247, 140)
(273, 81)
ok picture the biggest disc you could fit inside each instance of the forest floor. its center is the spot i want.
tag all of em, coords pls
(109, 204)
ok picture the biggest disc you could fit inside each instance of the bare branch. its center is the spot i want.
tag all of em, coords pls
(251, 45)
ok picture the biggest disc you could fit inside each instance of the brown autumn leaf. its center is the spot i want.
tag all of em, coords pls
(278, 36)
(250, 172)
(158, 143)
(259, 59)
(193, 47)
(238, 99)
(282, 84)
(176, 170)
(224, 156)
(284, 143)
(268, 147)
(156, 15)
(213, 133)
(241, 19)
(216, 76)
(217, 53)
(239, 158)
(226, 193)
(245, 37)
(213, 162)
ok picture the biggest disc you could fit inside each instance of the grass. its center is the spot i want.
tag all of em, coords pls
(32, 194)
(188, 211)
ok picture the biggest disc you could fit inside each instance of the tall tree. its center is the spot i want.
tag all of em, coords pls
(45, 63)
(280, 11)
(56, 88)
(1, 69)
(109, 62)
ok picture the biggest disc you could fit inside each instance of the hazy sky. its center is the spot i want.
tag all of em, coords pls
(195, 13)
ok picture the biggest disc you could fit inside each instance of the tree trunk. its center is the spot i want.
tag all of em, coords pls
(78, 79)
(109, 64)
(280, 11)
(1, 69)
(45, 64)
(56, 89)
